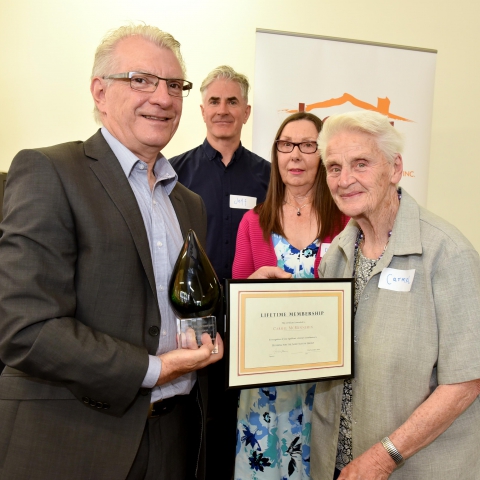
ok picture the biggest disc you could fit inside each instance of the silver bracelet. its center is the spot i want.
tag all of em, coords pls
(392, 451)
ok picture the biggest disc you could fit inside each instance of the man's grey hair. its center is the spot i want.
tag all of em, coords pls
(225, 72)
(105, 59)
(388, 139)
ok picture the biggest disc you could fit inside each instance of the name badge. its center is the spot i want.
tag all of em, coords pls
(323, 249)
(397, 280)
(242, 201)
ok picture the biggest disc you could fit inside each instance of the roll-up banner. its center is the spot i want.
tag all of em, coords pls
(326, 75)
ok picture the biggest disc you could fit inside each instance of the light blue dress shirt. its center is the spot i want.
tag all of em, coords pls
(165, 240)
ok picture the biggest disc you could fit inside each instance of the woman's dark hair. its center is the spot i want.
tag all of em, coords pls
(329, 217)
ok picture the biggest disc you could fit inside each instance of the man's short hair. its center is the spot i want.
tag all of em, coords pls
(105, 61)
(226, 72)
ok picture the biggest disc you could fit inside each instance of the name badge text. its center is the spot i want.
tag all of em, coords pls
(242, 201)
(397, 280)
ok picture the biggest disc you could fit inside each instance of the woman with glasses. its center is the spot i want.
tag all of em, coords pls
(284, 237)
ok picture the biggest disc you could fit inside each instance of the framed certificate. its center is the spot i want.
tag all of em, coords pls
(288, 331)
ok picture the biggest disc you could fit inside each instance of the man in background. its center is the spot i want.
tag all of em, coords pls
(95, 387)
(231, 180)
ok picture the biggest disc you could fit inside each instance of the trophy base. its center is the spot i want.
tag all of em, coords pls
(190, 331)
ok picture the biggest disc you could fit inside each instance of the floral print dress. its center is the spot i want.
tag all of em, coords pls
(274, 423)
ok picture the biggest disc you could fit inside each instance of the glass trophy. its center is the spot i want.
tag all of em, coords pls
(194, 292)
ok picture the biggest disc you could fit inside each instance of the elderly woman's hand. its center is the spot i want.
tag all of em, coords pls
(374, 464)
(269, 272)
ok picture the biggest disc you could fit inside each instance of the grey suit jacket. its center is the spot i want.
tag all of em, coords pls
(77, 300)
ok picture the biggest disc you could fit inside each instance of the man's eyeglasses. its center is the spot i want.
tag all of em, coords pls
(285, 146)
(147, 82)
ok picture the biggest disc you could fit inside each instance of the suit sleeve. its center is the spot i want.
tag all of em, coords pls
(39, 332)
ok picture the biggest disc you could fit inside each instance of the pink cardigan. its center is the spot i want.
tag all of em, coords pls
(253, 252)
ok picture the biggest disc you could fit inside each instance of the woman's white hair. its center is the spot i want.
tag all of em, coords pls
(388, 139)
(105, 59)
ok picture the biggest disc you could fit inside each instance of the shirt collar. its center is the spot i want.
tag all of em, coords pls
(407, 227)
(211, 153)
(164, 172)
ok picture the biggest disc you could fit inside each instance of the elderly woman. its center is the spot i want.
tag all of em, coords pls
(283, 237)
(411, 411)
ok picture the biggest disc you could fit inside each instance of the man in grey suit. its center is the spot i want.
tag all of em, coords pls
(95, 387)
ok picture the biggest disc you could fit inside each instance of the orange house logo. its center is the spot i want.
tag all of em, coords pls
(383, 106)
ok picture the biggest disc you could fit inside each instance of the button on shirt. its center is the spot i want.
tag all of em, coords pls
(165, 240)
(202, 171)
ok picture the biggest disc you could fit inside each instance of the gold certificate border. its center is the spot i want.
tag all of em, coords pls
(244, 296)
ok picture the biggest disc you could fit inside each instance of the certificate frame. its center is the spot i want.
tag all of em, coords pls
(283, 331)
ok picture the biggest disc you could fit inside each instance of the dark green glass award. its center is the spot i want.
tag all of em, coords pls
(194, 292)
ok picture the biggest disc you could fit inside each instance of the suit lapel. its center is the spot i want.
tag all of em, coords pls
(181, 211)
(110, 174)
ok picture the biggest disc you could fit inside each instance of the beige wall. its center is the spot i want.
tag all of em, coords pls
(46, 51)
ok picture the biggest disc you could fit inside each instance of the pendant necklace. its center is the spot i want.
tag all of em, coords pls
(298, 208)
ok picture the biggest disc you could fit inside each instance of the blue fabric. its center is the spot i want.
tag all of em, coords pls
(202, 171)
(274, 423)
(300, 263)
(165, 240)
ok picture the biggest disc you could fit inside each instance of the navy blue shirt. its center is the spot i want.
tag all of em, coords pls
(202, 171)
